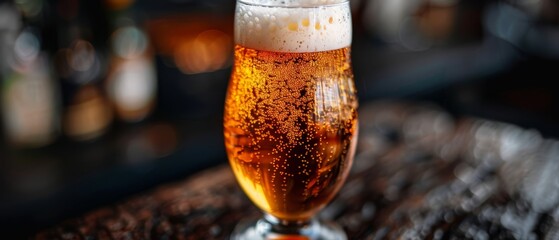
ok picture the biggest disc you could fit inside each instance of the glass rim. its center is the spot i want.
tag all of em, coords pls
(257, 3)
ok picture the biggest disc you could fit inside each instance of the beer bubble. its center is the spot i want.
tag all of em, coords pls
(286, 116)
(305, 22)
(317, 26)
(293, 26)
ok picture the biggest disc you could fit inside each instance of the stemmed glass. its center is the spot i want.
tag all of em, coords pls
(290, 121)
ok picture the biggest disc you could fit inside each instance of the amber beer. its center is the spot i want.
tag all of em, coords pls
(290, 127)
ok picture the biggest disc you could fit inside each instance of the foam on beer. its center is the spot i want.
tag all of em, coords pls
(303, 27)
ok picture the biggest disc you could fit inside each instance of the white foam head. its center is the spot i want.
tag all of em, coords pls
(293, 25)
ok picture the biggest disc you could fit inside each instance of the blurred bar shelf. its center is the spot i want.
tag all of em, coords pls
(65, 179)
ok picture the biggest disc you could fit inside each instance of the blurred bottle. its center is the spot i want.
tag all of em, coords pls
(546, 11)
(550, 11)
(30, 102)
(131, 81)
(422, 24)
(81, 65)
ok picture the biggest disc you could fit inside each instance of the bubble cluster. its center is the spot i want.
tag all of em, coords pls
(290, 124)
(293, 26)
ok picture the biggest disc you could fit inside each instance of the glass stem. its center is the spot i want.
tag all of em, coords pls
(270, 227)
(285, 227)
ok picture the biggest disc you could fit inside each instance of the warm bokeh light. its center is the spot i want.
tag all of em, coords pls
(118, 4)
(196, 44)
(207, 52)
(88, 116)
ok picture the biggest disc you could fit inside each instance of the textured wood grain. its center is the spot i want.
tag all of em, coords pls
(418, 174)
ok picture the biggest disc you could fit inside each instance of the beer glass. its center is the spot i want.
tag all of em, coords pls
(290, 120)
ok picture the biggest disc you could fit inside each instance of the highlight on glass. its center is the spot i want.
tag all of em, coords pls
(290, 121)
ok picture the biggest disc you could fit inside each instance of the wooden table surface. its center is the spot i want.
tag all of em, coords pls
(418, 174)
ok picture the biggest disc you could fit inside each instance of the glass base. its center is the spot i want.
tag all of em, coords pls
(271, 228)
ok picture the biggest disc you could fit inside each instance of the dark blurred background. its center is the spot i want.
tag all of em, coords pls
(101, 100)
